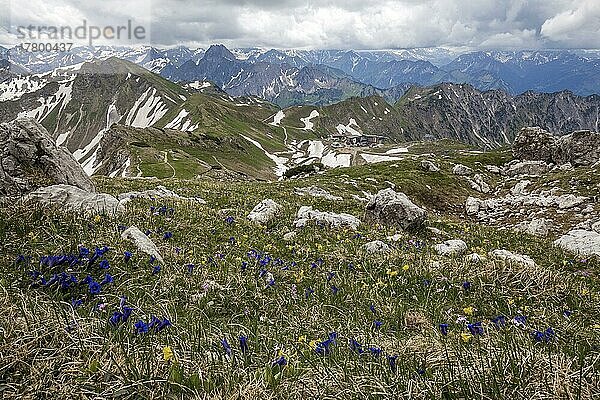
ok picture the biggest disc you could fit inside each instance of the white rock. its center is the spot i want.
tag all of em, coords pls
(392, 208)
(473, 258)
(533, 168)
(315, 191)
(376, 247)
(142, 242)
(511, 258)
(394, 238)
(482, 186)
(567, 201)
(520, 189)
(264, 211)
(493, 169)
(289, 237)
(453, 247)
(429, 166)
(461, 170)
(473, 205)
(536, 227)
(306, 213)
(75, 199)
(585, 243)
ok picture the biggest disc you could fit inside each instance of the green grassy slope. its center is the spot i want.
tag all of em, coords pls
(289, 300)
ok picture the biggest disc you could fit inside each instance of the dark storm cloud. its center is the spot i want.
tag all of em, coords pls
(339, 23)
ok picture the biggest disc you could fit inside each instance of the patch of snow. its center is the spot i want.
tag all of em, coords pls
(308, 124)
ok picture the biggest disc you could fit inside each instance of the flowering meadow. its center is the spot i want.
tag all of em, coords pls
(235, 311)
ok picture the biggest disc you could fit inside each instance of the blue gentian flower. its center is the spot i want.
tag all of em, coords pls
(475, 328)
(372, 308)
(244, 265)
(126, 313)
(330, 276)
(190, 268)
(230, 220)
(156, 269)
(426, 282)
(377, 324)
(466, 285)
(244, 344)
(520, 320)
(355, 346)
(567, 313)
(141, 327)
(226, 346)
(104, 264)
(167, 235)
(107, 279)
(444, 329)
(281, 361)
(334, 289)
(115, 318)
(76, 303)
(392, 362)
(94, 287)
(376, 351)
(127, 256)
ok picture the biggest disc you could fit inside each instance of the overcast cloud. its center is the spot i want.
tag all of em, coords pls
(329, 24)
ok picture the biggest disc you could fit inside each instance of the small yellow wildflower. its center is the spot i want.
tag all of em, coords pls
(313, 344)
(391, 273)
(585, 291)
(405, 267)
(302, 339)
(511, 301)
(97, 219)
(596, 327)
(168, 354)
(466, 337)
(468, 310)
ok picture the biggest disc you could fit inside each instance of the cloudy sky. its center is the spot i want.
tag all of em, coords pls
(329, 24)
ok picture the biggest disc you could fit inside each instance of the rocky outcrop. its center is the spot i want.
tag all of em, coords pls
(455, 247)
(429, 166)
(512, 258)
(461, 170)
(536, 227)
(306, 213)
(264, 212)
(582, 242)
(142, 242)
(578, 148)
(72, 198)
(376, 247)
(30, 159)
(395, 209)
(532, 168)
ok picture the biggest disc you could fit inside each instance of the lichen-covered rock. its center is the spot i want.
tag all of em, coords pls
(159, 193)
(534, 144)
(461, 170)
(264, 212)
(306, 213)
(578, 148)
(512, 258)
(532, 168)
(451, 248)
(30, 159)
(429, 166)
(395, 209)
(536, 227)
(74, 199)
(142, 242)
(582, 242)
(376, 247)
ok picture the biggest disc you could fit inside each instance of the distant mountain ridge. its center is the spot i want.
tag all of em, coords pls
(269, 73)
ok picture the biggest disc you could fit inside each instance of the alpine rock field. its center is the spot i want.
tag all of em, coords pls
(415, 217)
